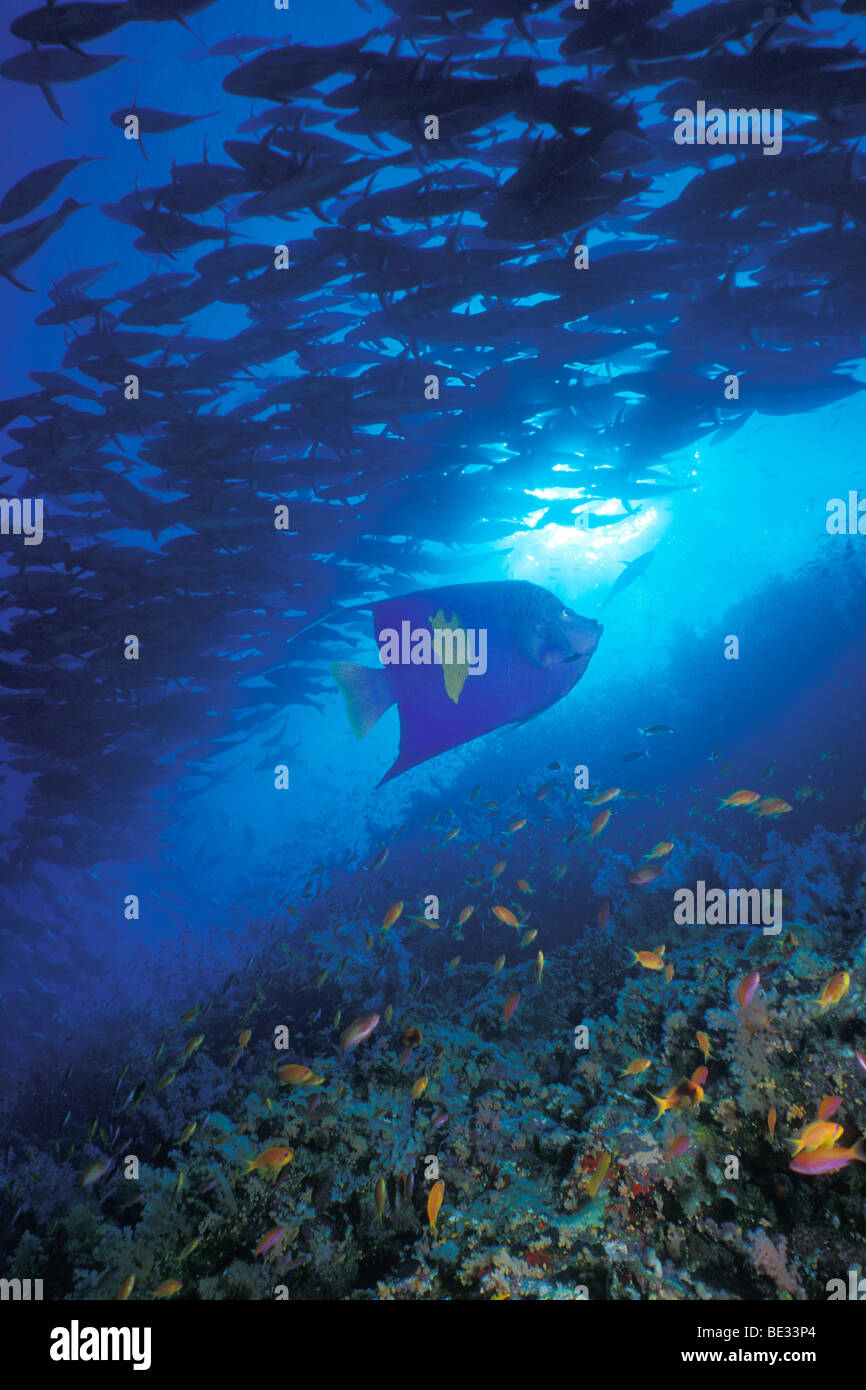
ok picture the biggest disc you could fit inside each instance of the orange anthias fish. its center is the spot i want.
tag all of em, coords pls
(516, 825)
(828, 1107)
(465, 914)
(646, 873)
(434, 1203)
(380, 1196)
(505, 915)
(686, 1095)
(659, 851)
(358, 1031)
(498, 964)
(640, 1064)
(678, 1146)
(823, 1134)
(391, 915)
(828, 1160)
(270, 1160)
(295, 1074)
(269, 1240)
(598, 824)
(510, 1006)
(609, 795)
(740, 798)
(704, 1044)
(192, 1046)
(773, 806)
(498, 868)
(650, 960)
(835, 989)
(168, 1288)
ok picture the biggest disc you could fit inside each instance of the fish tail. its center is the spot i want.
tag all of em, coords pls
(367, 694)
(858, 1151)
(661, 1105)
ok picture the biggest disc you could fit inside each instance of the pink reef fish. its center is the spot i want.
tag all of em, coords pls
(358, 1031)
(827, 1159)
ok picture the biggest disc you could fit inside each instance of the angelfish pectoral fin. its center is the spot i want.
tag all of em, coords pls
(367, 694)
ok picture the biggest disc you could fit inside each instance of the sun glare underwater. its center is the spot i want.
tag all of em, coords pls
(432, 649)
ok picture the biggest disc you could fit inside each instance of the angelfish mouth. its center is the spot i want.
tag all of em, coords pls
(589, 651)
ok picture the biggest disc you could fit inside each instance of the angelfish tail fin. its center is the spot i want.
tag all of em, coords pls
(367, 694)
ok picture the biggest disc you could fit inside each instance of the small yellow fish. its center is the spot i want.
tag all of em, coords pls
(539, 967)
(380, 1197)
(498, 964)
(498, 867)
(188, 1248)
(434, 1203)
(524, 886)
(528, 937)
(452, 965)
(640, 1064)
(420, 1087)
(505, 915)
(598, 824)
(516, 825)
(599, 1174)
(660, 850)
(704, 1044)
(193, 1046)
(465, 914)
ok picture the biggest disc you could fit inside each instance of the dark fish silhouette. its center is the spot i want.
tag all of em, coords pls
(634, 569)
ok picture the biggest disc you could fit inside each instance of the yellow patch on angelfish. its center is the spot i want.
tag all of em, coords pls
(455, 672)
